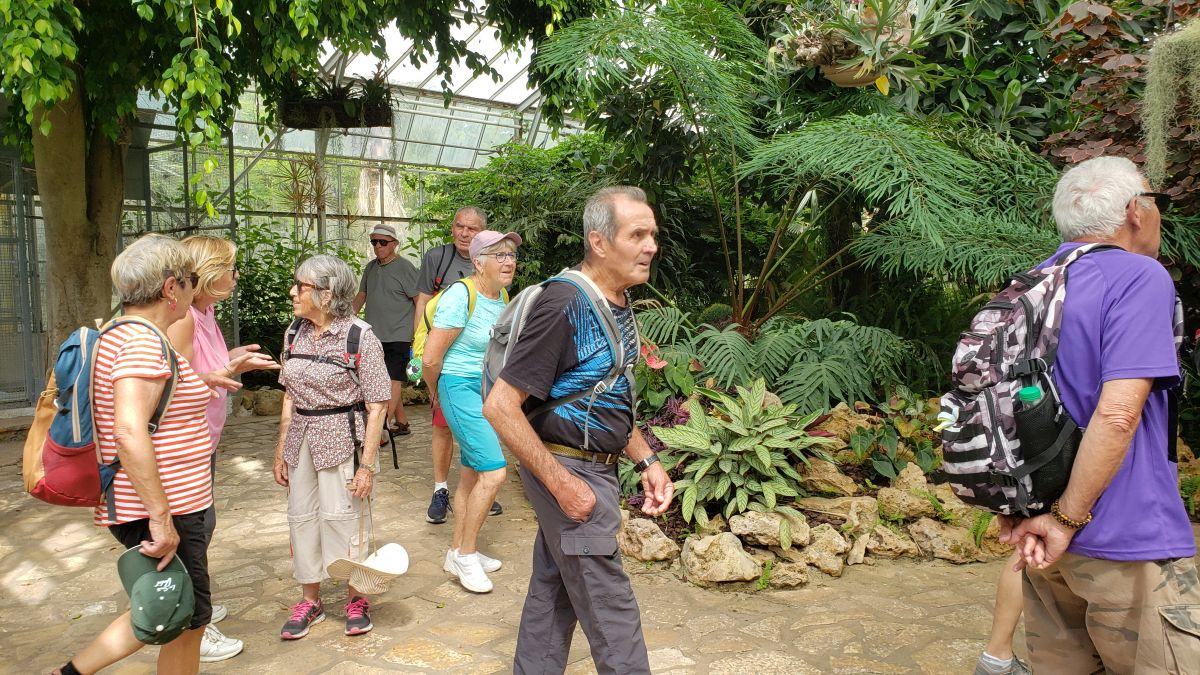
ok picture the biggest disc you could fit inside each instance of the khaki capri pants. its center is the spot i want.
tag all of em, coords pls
(325, 520)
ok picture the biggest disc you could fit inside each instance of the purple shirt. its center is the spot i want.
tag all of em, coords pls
(1117, 324)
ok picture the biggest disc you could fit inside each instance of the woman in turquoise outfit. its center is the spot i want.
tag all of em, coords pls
(452, 366)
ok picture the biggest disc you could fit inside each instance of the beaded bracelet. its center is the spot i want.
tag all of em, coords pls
(1067, 521)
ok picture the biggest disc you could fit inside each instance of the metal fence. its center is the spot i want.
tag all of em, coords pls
(22, 334)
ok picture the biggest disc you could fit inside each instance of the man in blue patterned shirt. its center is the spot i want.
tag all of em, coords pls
(568, 453)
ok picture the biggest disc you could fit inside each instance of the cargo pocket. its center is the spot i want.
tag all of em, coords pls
(580, 544)
(1181, 633)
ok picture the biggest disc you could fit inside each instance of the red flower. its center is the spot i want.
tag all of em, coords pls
(653, 360)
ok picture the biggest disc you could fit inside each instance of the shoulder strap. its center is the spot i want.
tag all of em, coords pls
(472, 295)
(353, 344)
(442, 270)
(1080, 251)
(289, 337)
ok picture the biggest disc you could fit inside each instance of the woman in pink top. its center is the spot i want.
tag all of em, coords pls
(198, 338)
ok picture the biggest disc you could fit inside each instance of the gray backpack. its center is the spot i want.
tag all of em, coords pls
(1004, 452)
(507, 331)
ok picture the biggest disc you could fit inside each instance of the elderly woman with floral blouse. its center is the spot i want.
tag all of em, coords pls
(321, 457)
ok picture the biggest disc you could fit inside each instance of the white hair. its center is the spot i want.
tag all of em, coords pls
(1091, 197)
(330, 274)
(139, 271)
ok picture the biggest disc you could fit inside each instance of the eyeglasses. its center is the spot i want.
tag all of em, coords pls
(380, 242)
(300, 285)
(502, 256)
(1161, 199)
(193, 278)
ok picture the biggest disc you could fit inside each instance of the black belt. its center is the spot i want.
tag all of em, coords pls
(348, 411)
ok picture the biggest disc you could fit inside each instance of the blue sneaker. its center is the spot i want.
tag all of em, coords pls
(438, 506)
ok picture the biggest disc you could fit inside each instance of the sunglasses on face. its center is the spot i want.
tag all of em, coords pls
(301, 285)
(380, 242)
(1161, 199)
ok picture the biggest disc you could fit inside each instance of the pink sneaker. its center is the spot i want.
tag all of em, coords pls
(358, 616)
(304, 614)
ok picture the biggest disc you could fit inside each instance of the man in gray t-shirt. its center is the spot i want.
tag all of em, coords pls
(389, 289)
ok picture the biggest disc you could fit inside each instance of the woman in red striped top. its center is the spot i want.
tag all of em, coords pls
(163, 491)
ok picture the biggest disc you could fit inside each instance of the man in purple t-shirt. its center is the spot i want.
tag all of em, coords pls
(1110, 583)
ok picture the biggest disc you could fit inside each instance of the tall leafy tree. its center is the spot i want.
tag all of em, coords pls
(72, 73)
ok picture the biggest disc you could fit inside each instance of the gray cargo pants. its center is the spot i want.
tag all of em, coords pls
(577, 576)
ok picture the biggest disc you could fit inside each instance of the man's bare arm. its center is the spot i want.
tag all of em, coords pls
(503, 410)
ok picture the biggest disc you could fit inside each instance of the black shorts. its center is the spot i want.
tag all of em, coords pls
(395, 355)
(195, 533)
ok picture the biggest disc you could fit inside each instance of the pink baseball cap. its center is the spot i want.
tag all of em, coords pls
(488, 238)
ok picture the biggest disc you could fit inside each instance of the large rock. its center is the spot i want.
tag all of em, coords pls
(642, 539)
(947, 542)
(762, 529)
(788, 575)
(897, 504)
(823, 477)
(827, 550)
(717, 558)
(886, 543)
(860, 513)
(842, 422)
(268, 402)
(911, 478)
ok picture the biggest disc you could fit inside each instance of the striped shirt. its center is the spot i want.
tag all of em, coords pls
(182, 444)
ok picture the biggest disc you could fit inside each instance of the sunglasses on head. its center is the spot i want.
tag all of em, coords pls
(1161, 199)
(193, 278)
(380, 242)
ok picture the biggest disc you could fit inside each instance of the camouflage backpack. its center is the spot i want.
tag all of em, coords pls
(1000, 454)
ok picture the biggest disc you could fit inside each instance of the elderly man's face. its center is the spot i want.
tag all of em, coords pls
(466, 226)
(383, 245)
(632, 249)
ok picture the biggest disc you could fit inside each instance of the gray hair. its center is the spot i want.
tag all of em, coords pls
(139, 271)
(600, 212)
(473, 211)
(330, 274)
(1091, 197)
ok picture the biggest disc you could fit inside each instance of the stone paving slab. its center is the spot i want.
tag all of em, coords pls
(58, 589)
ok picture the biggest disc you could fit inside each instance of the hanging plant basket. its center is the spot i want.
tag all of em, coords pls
(849, 76)
(334, 114)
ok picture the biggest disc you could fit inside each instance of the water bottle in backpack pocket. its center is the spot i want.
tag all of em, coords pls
(1041, 423)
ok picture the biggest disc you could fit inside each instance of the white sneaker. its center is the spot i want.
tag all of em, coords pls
(470, 574)
(214, 646)
(218, 614)
(489, 564)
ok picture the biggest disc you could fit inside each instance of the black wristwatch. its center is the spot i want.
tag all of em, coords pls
(645, 463)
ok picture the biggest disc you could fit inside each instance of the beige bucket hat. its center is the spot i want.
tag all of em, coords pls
(374, 574)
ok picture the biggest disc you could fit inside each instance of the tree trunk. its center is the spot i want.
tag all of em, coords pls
(81, 186)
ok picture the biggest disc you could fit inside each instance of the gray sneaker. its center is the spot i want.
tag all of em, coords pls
(1016, 667)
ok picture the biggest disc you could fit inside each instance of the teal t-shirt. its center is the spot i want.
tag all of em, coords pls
(464, 358)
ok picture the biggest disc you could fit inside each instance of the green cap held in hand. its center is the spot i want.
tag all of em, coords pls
(160, 603)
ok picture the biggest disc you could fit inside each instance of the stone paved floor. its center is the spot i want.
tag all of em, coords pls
(58, 588)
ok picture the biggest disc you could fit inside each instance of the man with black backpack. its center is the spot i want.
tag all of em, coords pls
(440, 267)
(1110, 581)
(563, 403)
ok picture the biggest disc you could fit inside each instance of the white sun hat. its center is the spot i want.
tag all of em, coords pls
(376, 573)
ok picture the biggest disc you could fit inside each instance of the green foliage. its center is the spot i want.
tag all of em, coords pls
(1189, 487)
(808, 363)
(764, 579)
(267, 264)
(980, 525)
(715, 313)
(662, 374)
(908, 419)
(939, 509)
(741, 456)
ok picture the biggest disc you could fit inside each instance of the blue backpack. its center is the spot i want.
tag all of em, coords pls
(61, 464)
